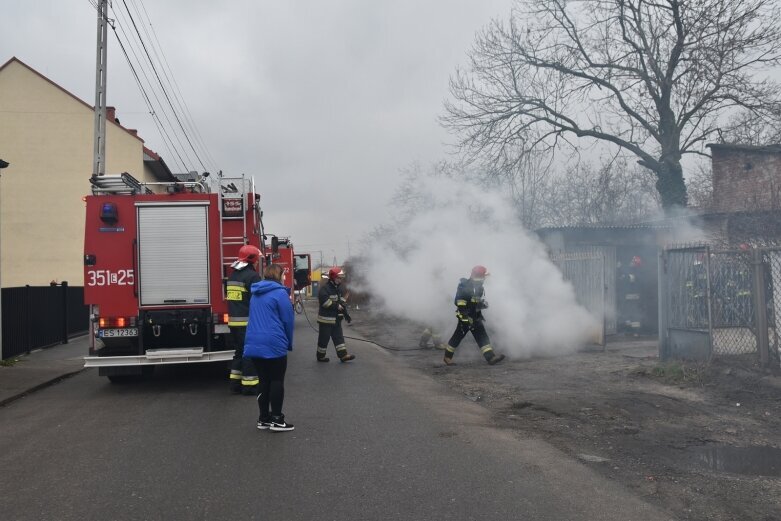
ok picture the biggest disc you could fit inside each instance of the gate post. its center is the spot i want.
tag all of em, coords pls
(760, 307)
(709, 301)
(664, 348)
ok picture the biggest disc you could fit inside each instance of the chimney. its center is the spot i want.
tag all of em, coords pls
(111, 114)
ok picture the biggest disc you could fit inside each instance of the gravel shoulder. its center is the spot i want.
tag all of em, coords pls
(660, 429)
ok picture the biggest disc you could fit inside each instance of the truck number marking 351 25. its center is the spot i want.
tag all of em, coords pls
(110, 278)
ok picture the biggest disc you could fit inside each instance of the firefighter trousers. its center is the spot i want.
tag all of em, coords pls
(243, 375)
(481, 337)
(333, 332)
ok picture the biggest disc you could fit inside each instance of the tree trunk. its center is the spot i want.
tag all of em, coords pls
(669, 183)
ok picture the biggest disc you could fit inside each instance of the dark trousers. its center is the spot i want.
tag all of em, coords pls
(481, 337)
(272, 385)
(478, 331)
(333, 332)
(243, 376)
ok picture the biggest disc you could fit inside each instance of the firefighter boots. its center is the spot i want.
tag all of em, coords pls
(347, 358)
(495, 359)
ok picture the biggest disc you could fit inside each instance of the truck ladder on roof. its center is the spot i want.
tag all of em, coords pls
(123, 183)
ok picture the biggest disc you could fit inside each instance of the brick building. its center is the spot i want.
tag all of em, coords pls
(746, 178)
(746, 194)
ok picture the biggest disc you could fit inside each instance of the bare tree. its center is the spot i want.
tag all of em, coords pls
(610, 193)
(655, 78)
(700, 187)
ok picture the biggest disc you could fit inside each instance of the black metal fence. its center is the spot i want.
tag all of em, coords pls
(39, 316)
(719, 303)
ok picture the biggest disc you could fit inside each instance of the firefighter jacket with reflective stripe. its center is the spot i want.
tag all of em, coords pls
(238, 295)
(330, 297)
(470, 299)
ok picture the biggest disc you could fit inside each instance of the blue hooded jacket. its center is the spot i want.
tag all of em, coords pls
(271, 318)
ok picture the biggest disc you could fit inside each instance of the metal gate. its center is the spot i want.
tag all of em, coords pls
(718, 302)
(586, 272)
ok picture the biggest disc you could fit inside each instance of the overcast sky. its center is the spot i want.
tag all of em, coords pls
(324, 102)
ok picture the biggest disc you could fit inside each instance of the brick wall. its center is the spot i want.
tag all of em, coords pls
(746, 178)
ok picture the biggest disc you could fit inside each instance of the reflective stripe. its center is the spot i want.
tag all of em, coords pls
(322, 350)
(450, 349)
(476, 300)
(341, 347)
(486, 348)
(250, 381)
(460, 302)
(326, 320)
(234, 284)
(237, 324)
(235, 376)
(327, 304)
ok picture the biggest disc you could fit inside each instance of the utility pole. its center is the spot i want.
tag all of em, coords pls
(99, 155)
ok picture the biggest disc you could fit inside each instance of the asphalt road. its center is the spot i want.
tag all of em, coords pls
(373, 440)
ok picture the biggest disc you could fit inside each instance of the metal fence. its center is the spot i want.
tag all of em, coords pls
(586, 272)
(39, 316)
(718, 302)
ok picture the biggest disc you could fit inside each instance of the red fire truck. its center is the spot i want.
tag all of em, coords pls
(155, 266)
(298, 267)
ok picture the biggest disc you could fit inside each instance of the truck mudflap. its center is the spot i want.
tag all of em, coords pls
(192, 355)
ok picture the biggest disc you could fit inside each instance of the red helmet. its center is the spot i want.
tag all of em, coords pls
(249, 253)
(479, 272)
(335, 272)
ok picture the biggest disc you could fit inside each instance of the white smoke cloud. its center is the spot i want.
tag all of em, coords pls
(532, 309)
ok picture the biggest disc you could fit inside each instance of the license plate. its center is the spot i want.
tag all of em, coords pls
(128, 331)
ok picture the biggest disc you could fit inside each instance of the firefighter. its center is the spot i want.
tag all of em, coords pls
(330, 315)
(243, 376)
(433, 336)
(470, 303)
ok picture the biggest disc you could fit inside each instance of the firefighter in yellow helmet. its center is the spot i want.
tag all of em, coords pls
(243, 376)
(470, 303)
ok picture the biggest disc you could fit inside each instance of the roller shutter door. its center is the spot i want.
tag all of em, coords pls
(173, 254)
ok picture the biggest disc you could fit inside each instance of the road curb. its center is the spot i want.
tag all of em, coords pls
(40, 386)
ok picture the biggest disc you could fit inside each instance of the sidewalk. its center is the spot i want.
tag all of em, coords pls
(41, 368)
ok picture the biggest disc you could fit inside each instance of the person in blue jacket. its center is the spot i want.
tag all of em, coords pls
(269, 338)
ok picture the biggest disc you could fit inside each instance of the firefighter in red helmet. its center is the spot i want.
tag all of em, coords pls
(470, 303)
(243, 376)
(330, 315)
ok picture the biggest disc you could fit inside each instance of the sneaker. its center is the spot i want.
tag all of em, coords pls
(264, 424)
(280, 425)
(496, 359)
(347, 358)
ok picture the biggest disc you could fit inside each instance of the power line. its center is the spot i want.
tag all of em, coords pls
(155, 116)
(155, 43)
(162, 87)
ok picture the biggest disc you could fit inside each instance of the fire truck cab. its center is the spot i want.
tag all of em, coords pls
(297, 266)
(155, 267)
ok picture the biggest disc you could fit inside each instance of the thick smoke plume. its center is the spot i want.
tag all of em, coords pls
(414, 267)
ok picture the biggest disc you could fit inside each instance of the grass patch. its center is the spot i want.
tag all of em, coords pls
(8, 363)
(678, 373)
